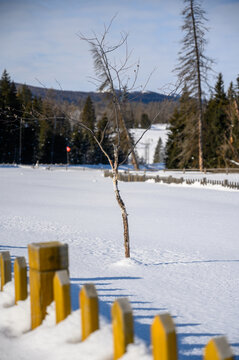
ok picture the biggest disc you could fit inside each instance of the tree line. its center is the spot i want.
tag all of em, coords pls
(220, 129)
(39, 130)
(32, 129)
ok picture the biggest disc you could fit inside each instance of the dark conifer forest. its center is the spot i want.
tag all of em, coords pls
(35, 129)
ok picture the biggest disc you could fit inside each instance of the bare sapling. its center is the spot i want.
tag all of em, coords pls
(113, 79)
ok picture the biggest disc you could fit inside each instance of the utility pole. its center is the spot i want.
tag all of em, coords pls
(53, 140)
(20, 142)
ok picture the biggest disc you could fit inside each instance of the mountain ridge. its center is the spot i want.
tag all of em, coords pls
(75, 97)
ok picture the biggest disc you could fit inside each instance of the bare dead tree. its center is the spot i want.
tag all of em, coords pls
(112, 78)
(194, 65)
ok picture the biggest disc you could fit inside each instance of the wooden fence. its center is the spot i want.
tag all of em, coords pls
(129, 177)
(49, 279)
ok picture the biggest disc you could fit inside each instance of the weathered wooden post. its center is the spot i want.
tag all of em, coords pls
(218, 349)
(44, 260)
(89, 310)
(20, 276)
(62, 297)
(123, 327)
(5, 268)
(163, 338)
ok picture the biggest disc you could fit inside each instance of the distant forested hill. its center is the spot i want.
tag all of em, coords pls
(76, 97)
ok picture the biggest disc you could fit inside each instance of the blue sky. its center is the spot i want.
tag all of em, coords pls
(38, 39)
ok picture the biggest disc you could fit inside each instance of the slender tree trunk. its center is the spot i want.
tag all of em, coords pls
(200, 116)
(123, 212)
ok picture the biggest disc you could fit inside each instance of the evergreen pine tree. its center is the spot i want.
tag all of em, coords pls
(104, 137)
(77, 145)
(182, 144)
(158, 154)
(54, 134)
(145, 122)
(89, 120)
(217, 128)
(29, 124)
(233, 118)
(194, 64)
(9, 121)
(88, 114)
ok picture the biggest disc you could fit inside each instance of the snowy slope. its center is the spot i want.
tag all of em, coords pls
(184, 245)
(146, 147)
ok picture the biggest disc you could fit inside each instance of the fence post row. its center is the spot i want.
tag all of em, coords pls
(45, 280)
(123, 327)
(44, 260)
(170, 180)
(89, 310)
(5, 268)
(62, 296)
(20, 275)
(218, 349)
(163, 338)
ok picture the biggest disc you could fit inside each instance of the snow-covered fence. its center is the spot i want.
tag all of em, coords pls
(62, 297)
(217, 349)
(52, 255)
(122, 326)
(128, 177)
(5, 268)
(89, 310)
(163, 338)
(44, 260)
(20, 277)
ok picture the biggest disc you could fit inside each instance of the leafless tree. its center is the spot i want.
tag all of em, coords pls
(112, 78)
(194, 65)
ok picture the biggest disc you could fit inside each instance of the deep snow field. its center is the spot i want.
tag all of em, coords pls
(146, 147)
(184, 260)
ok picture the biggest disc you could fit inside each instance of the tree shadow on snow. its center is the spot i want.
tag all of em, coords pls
(195, 262)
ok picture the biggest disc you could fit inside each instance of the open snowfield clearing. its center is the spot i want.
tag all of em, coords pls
(146, 148)
(185, 260)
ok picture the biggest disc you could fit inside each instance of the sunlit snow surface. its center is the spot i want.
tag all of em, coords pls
(146, 147)
(185, 260)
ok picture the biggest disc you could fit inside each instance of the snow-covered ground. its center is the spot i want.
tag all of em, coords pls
(184, 247)
(146, 147)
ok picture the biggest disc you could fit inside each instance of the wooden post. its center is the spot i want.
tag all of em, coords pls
(62, 297)
(20, 275)
(44, 260)
(123, 327)
(5, 268)
(89, 310)
(218, 349)
(163, 338)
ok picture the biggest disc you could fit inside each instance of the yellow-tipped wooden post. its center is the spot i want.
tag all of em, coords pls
(5, 268)
(20, 275)
(44, 260)
(218, 349)
(89, 310)
(62, 297)
(123, 327)
(163, 338)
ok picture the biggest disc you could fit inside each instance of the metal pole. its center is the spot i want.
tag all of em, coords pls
(53, 140)
(20, 142)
